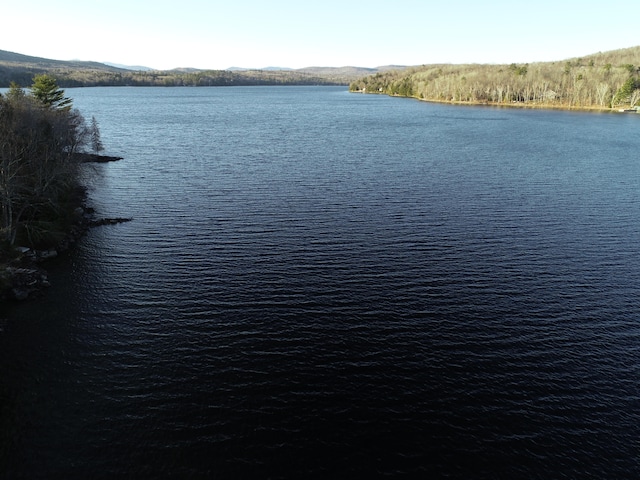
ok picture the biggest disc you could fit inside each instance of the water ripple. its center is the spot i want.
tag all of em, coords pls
(318, 284)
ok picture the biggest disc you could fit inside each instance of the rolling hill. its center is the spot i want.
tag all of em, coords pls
(21, 69)
(604, 80)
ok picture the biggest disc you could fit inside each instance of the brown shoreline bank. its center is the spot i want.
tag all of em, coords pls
(523, 105)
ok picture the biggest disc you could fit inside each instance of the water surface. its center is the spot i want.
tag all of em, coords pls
(321, 284)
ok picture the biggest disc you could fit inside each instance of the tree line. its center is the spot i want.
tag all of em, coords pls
(40, 136)
(84, 77)
(603, 81)
(18, 68)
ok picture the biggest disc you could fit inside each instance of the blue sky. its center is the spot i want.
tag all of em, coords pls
(219, 34)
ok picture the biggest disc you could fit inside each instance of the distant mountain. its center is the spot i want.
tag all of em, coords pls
(184, 70)
(135, 68)
(356, 71)
(392, 67)
(75, 73)
(15, 67)
(265, 69)
(17, 59)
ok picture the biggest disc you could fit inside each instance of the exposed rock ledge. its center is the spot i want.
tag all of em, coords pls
(21, 275)
(24, 277)
(25, 281)
(95, 158)
(108, 221)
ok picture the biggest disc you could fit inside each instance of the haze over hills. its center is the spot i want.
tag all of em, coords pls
(21, 69)
(244, 69)
(602, 80)
(136, 68)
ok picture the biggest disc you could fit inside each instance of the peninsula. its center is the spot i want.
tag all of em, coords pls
(44, 142)
(602, 81)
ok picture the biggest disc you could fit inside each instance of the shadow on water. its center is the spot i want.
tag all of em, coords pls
(318, 284)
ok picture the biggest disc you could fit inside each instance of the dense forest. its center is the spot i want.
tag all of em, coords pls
(600, 81)
(20, 69)
(88, 77)
(198, 78)
(40, 136)
(43, 140)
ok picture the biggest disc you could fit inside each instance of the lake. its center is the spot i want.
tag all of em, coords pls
(318, 284)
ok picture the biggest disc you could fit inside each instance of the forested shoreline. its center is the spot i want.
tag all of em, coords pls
(43, 141)
(602, 81)
(20, 69)
(176, 78)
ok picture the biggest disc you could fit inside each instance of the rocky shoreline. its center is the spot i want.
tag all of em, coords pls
(84, 157)
(22, 276)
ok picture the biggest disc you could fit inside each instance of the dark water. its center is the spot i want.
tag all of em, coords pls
(319, 284)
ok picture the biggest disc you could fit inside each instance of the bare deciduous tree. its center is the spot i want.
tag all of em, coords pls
(38, 168)
(599, 81)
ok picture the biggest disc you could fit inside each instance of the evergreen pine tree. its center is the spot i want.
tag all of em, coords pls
(46, 90)
(96, 142)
